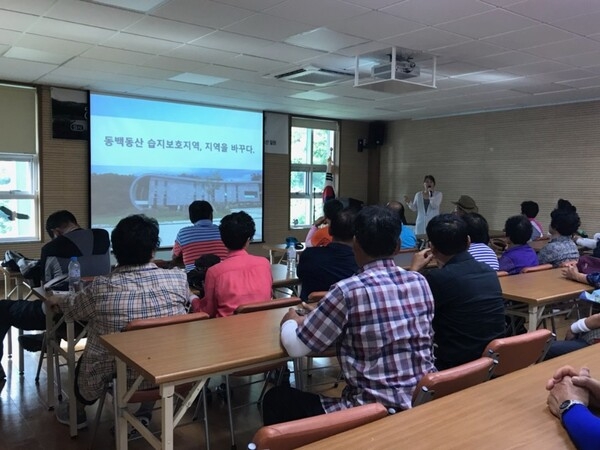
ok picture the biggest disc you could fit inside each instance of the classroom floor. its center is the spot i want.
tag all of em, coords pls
(26, 423)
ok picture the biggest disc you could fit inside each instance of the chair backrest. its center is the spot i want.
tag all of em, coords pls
(271, 304)
(439, 384)
(316, 296)
(140, 324)
(520, 351)
(537, 268)
(294, 434)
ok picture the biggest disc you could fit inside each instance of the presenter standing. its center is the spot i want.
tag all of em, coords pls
(426, 202)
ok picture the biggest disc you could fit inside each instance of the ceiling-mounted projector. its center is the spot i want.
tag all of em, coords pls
(402, 70)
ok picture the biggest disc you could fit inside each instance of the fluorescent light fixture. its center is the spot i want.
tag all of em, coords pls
(133, 5)
(313, 95)
(196, 78)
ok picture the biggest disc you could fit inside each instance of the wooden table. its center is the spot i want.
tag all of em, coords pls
(509, 412)
(282, 278)
(53, 349)
(166, 357)
(540, 289)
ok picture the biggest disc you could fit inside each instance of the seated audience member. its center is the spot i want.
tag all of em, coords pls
(408, 239)
(92, 247)
(136, 289)
(380, 321)
(584, 331)
(589, 243)
(572, 394)
(199, 239)
(478, 230)
(318, 235)
(530, 210)
(240, 278)
(469, 309)
(320, 267)
(518, 254)
(560, 249)
(465, 205)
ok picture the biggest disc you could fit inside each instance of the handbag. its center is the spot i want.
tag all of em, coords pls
(588, 264)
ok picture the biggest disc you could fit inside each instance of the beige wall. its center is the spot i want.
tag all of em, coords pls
(501, 159)
(65, 180)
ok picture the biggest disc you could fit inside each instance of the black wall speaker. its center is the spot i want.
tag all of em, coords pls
(376, 133)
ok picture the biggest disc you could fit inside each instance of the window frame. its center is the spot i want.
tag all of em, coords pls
(310, 169)
(33, 194)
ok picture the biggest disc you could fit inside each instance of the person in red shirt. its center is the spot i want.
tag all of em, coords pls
(239, 279)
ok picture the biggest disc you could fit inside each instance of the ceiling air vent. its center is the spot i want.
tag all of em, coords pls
(315, 76)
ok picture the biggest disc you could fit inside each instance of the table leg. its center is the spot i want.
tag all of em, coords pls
(120, 420)
(50, 339)
(71, 371)
(18, 285)
(167, 392)
(533, 318)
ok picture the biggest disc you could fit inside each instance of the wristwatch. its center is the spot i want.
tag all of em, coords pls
(567, 405)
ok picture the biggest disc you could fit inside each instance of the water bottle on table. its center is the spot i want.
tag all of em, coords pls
(290, 255)
(74, 275)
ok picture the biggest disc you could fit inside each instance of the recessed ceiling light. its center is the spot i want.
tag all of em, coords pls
(324, 39)
(133, 5)
(196, 78)
(313, 95)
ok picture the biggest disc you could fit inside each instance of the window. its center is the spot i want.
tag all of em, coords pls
(18, 163)
(19, 193)
(312, 141)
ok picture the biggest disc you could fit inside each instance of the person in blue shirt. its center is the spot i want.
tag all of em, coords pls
(407, 235)
(571, 394)
(320, 267)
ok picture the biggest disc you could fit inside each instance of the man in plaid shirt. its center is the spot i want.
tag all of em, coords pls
(136, 289)
(379, 320)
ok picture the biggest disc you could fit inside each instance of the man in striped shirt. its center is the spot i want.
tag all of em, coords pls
(201, 238)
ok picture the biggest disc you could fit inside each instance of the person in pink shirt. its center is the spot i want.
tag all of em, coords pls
(240, 278)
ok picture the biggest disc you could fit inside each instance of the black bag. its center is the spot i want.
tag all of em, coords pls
(31, 269)
(197, 275)
(10, 260)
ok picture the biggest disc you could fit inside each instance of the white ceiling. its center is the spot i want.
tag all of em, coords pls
(492, 54)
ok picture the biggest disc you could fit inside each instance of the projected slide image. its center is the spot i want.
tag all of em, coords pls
(158, 157)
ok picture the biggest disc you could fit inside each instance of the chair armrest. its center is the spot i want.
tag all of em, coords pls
(316, 296)
(271, 304)
(290, 435)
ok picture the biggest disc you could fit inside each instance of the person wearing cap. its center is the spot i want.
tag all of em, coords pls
(426, 203)
(465, 205)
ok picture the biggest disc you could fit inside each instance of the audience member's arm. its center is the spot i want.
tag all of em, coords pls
(421, 259)
(289, 338)
(593, 279)
(568, 384)
(208, 303)
(583, 427)
(313, 229)
(572, 273)
(78, 306)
